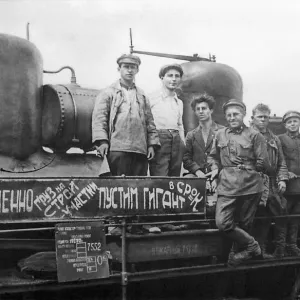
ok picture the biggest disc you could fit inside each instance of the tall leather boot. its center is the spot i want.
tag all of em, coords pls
(244, 241)
(291, 240)
(264, 252)
(279, 240)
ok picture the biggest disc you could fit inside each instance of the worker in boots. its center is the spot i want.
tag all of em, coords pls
(237, 157)
(123, 128)
(291, 149)
(272, 202)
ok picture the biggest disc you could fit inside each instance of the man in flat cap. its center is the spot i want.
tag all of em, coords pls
(291, 149)
(272, 202)
(122, 124)
(238, 154)
(167, 111)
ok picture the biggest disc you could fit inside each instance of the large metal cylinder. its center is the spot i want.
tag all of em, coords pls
(218, 80)
(20, 97)
(67, 117)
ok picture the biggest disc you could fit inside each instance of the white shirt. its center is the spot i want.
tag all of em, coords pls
(167, 112)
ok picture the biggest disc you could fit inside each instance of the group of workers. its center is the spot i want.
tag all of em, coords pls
(253, 171)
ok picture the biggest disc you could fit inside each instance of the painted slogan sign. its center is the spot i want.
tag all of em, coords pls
(97, 197)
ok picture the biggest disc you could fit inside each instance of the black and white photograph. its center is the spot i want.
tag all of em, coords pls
(149, 150)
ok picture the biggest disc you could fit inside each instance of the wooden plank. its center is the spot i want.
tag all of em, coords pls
(168, 246)
(77, 198)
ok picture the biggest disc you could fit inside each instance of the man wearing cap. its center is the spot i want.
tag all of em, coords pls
(272, 202)
(122, 123)
(167, 111)
(291, 149)
(238, 154)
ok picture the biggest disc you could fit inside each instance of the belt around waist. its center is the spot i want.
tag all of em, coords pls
(168, 130)
(247, 167)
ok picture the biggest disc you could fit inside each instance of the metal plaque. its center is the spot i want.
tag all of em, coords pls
(81, 251)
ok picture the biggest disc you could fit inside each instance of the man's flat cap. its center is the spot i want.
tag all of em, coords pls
(163, 70)
(129, 59)
(290, 114)
(233, 102)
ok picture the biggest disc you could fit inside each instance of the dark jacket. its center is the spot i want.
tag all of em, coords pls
(291, 151)
(278, 168)
(106, 109)
(195, 156)
(230, 149)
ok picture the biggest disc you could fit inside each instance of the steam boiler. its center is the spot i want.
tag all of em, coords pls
(218, 80)
(204, 75)
(33, 116)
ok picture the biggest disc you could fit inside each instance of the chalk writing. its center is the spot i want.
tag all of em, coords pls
(178, 250)
(127, 197)
(80, 251)
(16, 201)
(95, 197)
(51, 202)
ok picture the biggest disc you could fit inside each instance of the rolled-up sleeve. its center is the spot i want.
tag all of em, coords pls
(100, 117)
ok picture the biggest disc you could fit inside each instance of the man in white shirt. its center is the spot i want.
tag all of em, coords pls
(167, 110)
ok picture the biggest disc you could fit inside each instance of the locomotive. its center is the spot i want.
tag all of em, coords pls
(40, 189)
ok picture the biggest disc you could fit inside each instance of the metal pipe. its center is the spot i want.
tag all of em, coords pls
(27, 31)
(74, 139)
(209, 269)
(73, 77)
(26, 230)
(131, 46)
(124, 261)
(195, 57)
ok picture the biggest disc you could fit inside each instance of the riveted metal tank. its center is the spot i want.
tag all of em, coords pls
(20, 97)
(67, 117)
(219, 80)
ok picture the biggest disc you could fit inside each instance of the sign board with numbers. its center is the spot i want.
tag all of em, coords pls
(81, 251)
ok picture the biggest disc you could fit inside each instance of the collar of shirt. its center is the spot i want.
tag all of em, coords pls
(212, 127)
(238, 130)
(127, 87)
(164, 96)
(293, 136)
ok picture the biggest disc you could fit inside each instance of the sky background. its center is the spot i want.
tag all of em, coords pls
(260, 39)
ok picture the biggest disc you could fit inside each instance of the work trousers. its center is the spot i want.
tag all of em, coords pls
(168, 159)
(293, 208)
(276, 206)
(234, 217)
(127, 163)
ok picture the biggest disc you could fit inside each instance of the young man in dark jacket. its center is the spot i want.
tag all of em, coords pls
(291, 149)
(199, 140)
(272, 202)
